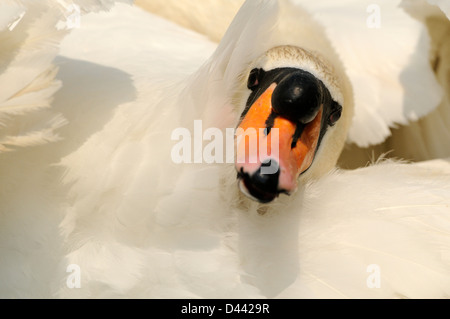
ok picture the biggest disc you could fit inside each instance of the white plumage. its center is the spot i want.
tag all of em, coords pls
(108, 199)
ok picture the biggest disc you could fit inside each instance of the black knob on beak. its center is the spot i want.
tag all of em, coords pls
(297, 97)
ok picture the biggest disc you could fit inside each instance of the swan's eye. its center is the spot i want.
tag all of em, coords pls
(335, 114)
(254, 78)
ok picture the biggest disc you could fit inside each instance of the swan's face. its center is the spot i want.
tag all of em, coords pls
(286, 116)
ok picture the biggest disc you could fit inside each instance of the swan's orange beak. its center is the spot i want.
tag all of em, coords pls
(272, 151)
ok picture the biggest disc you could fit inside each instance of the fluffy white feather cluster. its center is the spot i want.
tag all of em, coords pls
(105, 197)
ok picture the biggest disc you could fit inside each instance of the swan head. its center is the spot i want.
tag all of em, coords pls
(294, 122)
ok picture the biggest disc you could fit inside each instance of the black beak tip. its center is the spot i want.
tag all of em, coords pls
(259, 186)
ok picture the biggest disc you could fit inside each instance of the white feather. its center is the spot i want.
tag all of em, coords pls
(388, 65)
(109, 199)
(29, 42)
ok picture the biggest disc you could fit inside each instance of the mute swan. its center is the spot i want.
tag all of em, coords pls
(106, 203)
(406, 82)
